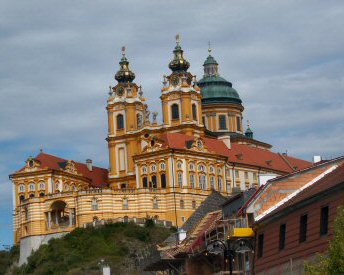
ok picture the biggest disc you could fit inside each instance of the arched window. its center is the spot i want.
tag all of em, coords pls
(175, 111)
(41, 194)
(125, 203)
(120, 122)
(182, 205)
(139, 120)
(94, 204)
(155, 203)
(31, 196)
(212, 182)
(22, 188)
(219, 182)
(154, 182)
(162, 166)
(21, 198)
(222, 122)
(202, 182)
(32, 187)
(163, 180)
(144, 182)
(194, 112)
(41, 186)
(180, 179)
(179, 165)
(192, 181)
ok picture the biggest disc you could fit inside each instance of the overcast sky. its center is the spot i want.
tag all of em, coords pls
(57, 59)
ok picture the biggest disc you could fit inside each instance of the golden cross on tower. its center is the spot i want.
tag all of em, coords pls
(123, 50)
(248, 124)
(209, 48)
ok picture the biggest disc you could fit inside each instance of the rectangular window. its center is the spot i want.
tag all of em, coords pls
(324, 220)
(303, 228)
(222, 122)
(238, 120)
(282, 232)
(260, 245)
(246, 175)
(121, 159)
(236, 174)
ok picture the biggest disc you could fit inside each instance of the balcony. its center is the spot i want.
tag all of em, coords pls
(239, 229)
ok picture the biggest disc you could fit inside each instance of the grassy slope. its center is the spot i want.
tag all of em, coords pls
(80, 251)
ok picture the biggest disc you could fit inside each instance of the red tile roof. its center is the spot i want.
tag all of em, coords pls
(240, 153)
(98, 176)
(331, 180)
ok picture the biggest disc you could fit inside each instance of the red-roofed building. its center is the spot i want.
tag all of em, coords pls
(293, 217)
(158, 170)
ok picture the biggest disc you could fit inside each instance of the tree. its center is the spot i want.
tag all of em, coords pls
(331, 262)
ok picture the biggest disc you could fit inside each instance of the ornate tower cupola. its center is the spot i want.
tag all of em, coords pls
(181, 98)
(127, 114)
(178, 63)
(124, 74)
(210, 65)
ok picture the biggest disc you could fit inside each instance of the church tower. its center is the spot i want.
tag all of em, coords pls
(181, 98)
(126, 109)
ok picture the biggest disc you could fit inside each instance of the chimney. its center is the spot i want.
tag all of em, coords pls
(317, 159)
(89, 164)
(226, 140)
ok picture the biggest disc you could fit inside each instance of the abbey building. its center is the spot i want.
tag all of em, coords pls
(158, 170)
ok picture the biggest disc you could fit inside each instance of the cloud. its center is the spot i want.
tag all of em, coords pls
(58, 58)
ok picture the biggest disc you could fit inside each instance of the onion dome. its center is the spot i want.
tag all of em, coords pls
(178, 63)
(124, 74)
(214, 88)
(248, 133)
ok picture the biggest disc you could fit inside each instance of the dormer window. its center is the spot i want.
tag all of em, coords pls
(31, 163)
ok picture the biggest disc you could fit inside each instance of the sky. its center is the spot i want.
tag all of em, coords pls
(58, 58)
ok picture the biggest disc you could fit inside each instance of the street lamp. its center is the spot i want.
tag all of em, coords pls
(229, 249)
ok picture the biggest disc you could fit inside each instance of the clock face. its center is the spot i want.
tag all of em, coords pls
(120, 91)
(174, 80)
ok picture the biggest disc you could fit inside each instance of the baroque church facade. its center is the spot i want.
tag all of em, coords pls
(162, 171)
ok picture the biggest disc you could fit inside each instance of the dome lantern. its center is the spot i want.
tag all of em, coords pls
(124, 74)
(178, 63)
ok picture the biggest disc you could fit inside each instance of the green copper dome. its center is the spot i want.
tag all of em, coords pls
(214, 88)
(210, 60)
